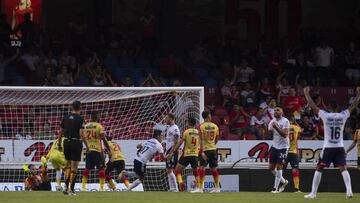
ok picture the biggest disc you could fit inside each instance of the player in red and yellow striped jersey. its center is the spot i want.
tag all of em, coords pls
(190, 154)
(356, 141)
(293, 153)
(209, 134)
(94, 134)
(117, 162)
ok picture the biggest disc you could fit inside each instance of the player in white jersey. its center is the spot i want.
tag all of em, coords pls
(146, 151)
(171, 139)
(279, 127)
(333, 149)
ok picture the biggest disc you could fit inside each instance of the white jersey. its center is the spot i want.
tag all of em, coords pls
(172, 134)
(333, 127)
(280, 142)
(148, 150)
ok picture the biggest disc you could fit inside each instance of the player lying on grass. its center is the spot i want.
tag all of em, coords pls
(58, 161)
(37, 179)
(146, 151)
(333, 150)
(116, 162)
(191, 141)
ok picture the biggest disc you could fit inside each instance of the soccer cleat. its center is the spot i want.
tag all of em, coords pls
(310, 196)
(297, 191)
(25, 168)
(216, 190)
(112, 187)
(275, 191)
(72, 193)
(349, 196)
(173, 190)
(182, 187)
(43, 161)
(197, 190)
(65, 192)
(282, 188)
(58, 188)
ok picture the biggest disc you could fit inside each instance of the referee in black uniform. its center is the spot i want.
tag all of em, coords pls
(71, 128)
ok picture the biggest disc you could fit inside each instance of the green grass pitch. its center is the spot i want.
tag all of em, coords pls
(167, 197)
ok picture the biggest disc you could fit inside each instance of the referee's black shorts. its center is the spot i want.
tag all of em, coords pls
(72, 149)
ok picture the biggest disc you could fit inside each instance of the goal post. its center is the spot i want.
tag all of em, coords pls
(30, 118)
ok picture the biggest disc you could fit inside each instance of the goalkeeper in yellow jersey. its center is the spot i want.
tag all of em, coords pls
(356, 141)
(37, 179)
(191, 140)
(58, 161)
(94, 134)
(116, 162)
(293, 153)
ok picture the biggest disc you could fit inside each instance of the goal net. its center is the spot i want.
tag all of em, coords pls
(30, 118)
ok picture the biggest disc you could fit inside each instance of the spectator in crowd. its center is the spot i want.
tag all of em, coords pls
(293, 102)
(248, 96)
(98, 76)
(243, 73)
(352, 62)
(128, 82)
(265, 89)
(324, 60)
(229, 93)
(283, 87)
(50, 60)
(308, 130)
(23, 134)
(64, 78)
(258, 123)
(27, 30)
(48, 77)
(5, 31)
(4, 62)
(269, 108)
(239, 120)
(74, 68)
(302, 67)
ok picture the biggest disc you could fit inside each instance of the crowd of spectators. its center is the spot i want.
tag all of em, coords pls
(252, 81)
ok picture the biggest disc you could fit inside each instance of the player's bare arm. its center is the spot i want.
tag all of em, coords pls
(283, 132)
(176, 147)
(102, 136)
(84, 140)
(356, 100)
(353, 144)
(309, 100)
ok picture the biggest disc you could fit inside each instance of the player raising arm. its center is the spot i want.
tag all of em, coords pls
(190, 154)
(209, 133)
(146, 151)
(37, 179)
(333, 150)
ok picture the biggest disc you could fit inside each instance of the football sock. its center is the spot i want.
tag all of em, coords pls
(296, 179)
(126, 181)
(73, 176)
(179, 177)
(197, 177)
(173, 179)
(202, 177)
(84, 178)
(316, 182)
(67, 177)
(134, 184)
(347, 180)
(58, 178)
(110, 182)
(279, 175)
(274, 172)
(216, 176)
(102, 179)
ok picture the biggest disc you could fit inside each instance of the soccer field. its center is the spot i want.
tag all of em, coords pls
(166, 197)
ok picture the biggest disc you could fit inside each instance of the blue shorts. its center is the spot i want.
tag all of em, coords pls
(336, 156)
(139, 168)
(278, 156)
(171, 164)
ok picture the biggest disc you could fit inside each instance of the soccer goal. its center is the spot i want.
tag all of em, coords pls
(30, 118)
